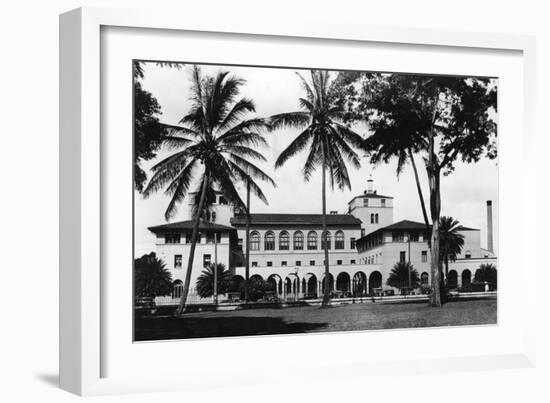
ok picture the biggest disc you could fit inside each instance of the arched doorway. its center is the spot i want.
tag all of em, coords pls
(452, 279)
(342, 282)
(330, 283)
(256, 287)
(466, 279)
(359, 284)
(375, 281)
(311, 291)
(237, 285)
(275, 283)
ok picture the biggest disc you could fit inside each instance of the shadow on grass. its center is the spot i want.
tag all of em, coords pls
(168, 328)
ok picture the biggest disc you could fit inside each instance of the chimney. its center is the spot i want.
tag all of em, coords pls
(490, 225)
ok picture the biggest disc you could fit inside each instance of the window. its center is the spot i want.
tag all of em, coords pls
(352, 243)
(402, 256)
(206, 259)
(365, 202)
(283, 240)
(213, 217)
(312, 262)
(283, 263)
(269, 241)
(298, 240)
(312, 240)
(383, 202)
(352, 261)
(362, 231)
(172, 237)
(254, 241)
(189, 236)
(468, 255)
(222, 200)
(372, 218)
(325, 238)
(338, 262)
(397, 237)
(414, 236)
(376, 218)
(339, 240)
(269, 264)
(240, 243)
(177, 261)
(177, 289)
(298, 262)
(254, 264)
(424, 256)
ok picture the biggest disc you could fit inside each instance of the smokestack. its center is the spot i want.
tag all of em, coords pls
(490, 225)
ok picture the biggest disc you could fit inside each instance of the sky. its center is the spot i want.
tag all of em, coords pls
(276, 90)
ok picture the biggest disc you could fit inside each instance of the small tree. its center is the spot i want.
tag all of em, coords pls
(399, 276)
(151, 278)
(486, 273)
(205, 282)
(451, 241)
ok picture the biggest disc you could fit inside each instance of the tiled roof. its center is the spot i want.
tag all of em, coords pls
(188, 225)
(406, 224)
(297, 219)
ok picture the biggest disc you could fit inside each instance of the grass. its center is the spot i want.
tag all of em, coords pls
(313, 319)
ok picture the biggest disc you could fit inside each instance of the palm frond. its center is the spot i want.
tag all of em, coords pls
(165, 171)
(178, 189)
(252, 169)
(239, 110)
(296, 120)
(243, 151)
(297, 145)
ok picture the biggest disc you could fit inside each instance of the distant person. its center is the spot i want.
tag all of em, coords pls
(486, 286)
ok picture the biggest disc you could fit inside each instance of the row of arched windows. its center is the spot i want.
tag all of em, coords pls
(298, 240)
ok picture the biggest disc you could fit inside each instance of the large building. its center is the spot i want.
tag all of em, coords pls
(286, 250)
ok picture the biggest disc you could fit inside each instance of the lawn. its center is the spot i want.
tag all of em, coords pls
(305, 319)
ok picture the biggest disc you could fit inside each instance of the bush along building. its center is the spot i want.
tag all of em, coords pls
(287, 255)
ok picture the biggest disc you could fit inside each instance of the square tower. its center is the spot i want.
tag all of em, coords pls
(374, 210)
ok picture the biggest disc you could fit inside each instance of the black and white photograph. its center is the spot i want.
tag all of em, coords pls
(273, 200)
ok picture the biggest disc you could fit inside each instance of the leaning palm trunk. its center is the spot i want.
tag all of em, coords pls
(247, 263)
(326, 291)
(194, 238)
(420, 195)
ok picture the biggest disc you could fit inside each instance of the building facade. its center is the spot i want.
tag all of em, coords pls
(286, 250)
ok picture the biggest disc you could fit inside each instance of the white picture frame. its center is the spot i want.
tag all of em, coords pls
(82, 305)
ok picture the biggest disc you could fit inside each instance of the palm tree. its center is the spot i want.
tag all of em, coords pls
(151, 278)
(215, 141)
(205, 282)
(326, 136)
(399, 276)
(451, 241)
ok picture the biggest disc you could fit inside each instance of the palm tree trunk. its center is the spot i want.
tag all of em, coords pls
(247, 263)
(420, 195)
(326, 291)
(194, 238)
(435, 208)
